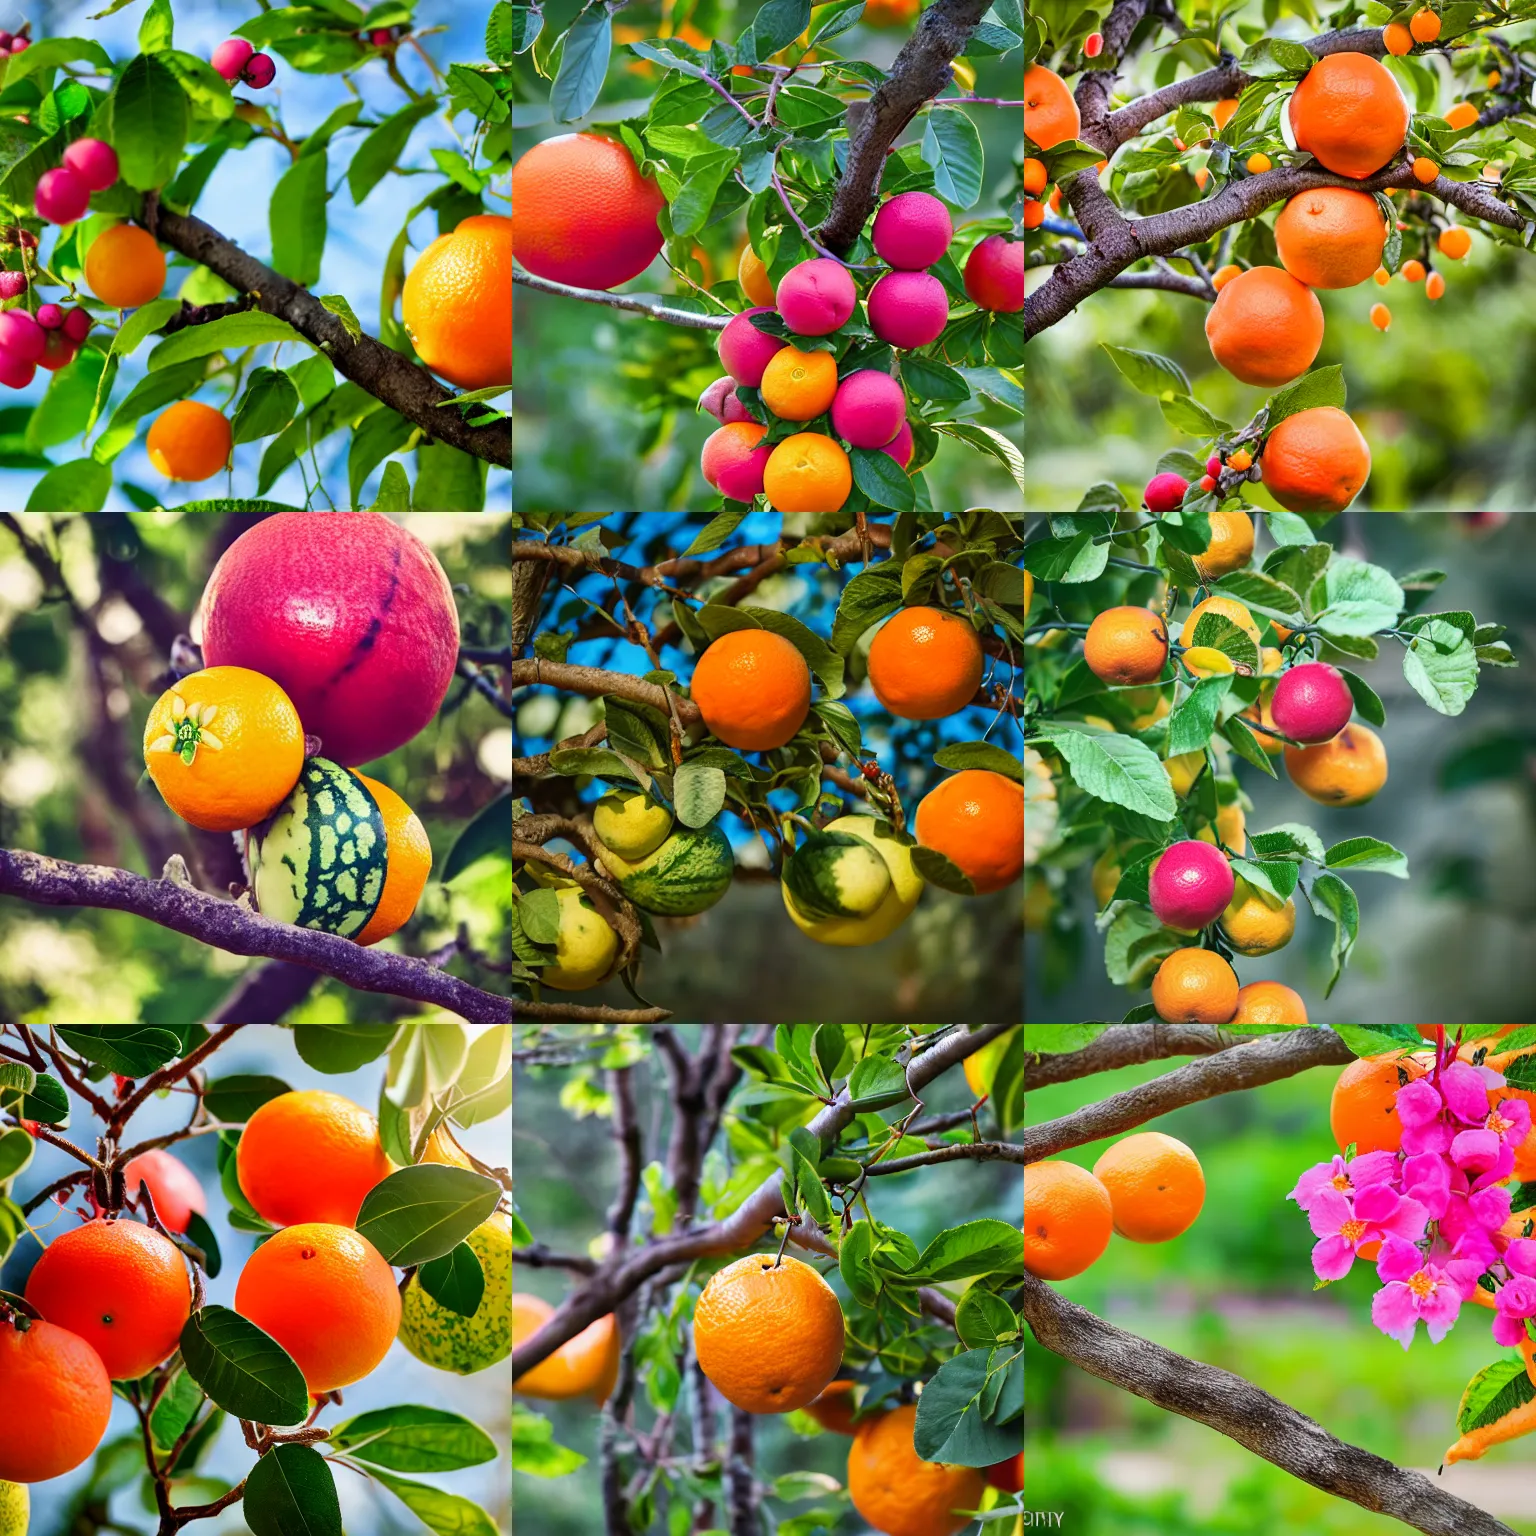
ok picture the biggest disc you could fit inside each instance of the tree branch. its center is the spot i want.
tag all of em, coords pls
(401, 384)
(1247, 1414)
(1130, 1045)
(594, 682)
(969, 1151)
(228, 926)
(629, 301)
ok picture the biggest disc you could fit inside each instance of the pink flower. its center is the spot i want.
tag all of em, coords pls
(1421, 1109)
(1377, 1212)
(1417, 1289)
(1520, 1257)
(1516, 1301)
(1483, 1155)
(1511, 1119)
(1344, 1177)
(1427, 1179)
(1465, 1090)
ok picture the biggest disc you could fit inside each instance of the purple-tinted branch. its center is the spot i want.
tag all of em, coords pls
(623, 301)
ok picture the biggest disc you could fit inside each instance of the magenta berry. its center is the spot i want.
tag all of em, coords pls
(15, 372)
(231, 57)
(62, 197)
(5, 42)
(94, 162)
(908, 309)
(816, 297)
(912, 230)
(1213, 466)
(1190, 886)
(259, 71)
(20, 44)
(1164, 492)
(381, 37)
(12, 284)
(868, 409)
(900, 447)
(59, 352)
(1312, 703)
(77, 325)
(51, 317)
(994, 275)
(21, 335)
(745, 350)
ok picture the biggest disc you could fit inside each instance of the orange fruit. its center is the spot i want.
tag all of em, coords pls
(1434, 286)
(325, 1293)
(1413, 271)
(189, 441)
(1253, 927)
(808, 473)
(799, 386)
(1477, 1442)
(1259, 714)
(55, 1401)
(1381, 317)
(1156, 1186)
(896, 1491)
(1363, 1109)
(768, 1335)
(1397, 39)
(925, 663)
(1349, 113)
(585, 1366)
(1268, 1002)
(1034, 176)
(1050, 113)
(1462, 115)
(1455, 242)
(310, 1156)
(1224, 275)
(754, 279)
(1331, 237)
(1316, 460)
(833, 1410)
(1257, 164)
(1223, 110)
(171, 1184)
(1067, 1219)
(889, 13)
(224, 747)
(753, 689)
(1126, 646)
(1424, 170)
(1231, 546)
(1265, 327)
(1348, 770)
(975, 818)
(121, 1287)
(456, 303)
(585, 215)
(409, 855)
(124, 267)
(1194, 986)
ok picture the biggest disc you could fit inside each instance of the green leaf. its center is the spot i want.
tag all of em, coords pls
(882, 479)
(230, 333)
(384, 148)
(297, 218)
(703, 176)
(583, 64)
(337, 305)
(157, 28)
(448, 480)
(381, 434)
(79, 486)
(321, 54)
(489, 834)
(150, 116)
(952, 146)
(394, 494)
(145, 319)
(269, 403)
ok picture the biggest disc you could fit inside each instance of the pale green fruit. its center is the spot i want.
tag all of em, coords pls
(894, 907)
(464, 1345)
(586, 948)
(826, 880)
(15, 1506)
(631, 823)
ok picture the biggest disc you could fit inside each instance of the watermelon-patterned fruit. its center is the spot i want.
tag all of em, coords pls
(447, 1339)
(836, 875)
(889, 913)
(319, 859)
(691, 870)
(351, 615)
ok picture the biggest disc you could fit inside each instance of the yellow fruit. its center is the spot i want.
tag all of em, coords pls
(586, 948)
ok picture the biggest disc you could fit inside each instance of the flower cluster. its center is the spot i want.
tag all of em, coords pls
(1435, 1214)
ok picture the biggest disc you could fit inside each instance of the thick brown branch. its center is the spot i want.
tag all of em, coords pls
(1247, 1414)
(594, 683)
(1129, 1045)
(228, 926)
(589, 1013)
(397, 381)
(970, 1151)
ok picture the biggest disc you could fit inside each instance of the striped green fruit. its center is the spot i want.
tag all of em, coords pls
(893, 909)
(319, 859)
(443, 1338)
(691, 870)
(630, 822)
(836, 875)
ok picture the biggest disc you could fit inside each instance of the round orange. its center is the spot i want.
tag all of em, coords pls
(1265, 327)
(833, 1410)
(1455, 242)
(325, 1293)
(1316, 460)
(1195, 986)
(1050, 113)
(1231, 546)
(1126, 646)
(224, 747)
(124, 267)
(55, 1401)
(1363, 1109)
(808, 473)
(899, 1493)
(1156, 1186)
(799, 386)
(768, 1334)
(457, 303)
(189, 441)
(585, 1366)
(1068, 1219)
(753, 689)
(310, 1156)
(925, 663)
(1269, 1002)
(1349, 770)
(409, 855)
(975, 818)
(1349, 113)
(1331, 237)
(121, 1287)
(754, 279)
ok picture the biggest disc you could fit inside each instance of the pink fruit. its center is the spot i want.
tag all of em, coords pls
(745, 350)
(868, 409)
(15, 372)
(912, 230)
(1213, 465)
(20, 44)
(5, 42)
(77, 325)
(230, 58)
(346, 612)
(94, 162)
(62, 197)
(21, 335)
(1312, 703)
(908, 309)
(713, 398)
(259, 71)
(816, 297)
(50, 316)
(1165, 492)
(733, 462)
(1191, 885)
(12, 284)
(172, 1185)
(994, 274)
(381, 37)
(900, 447)
(58, 352)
